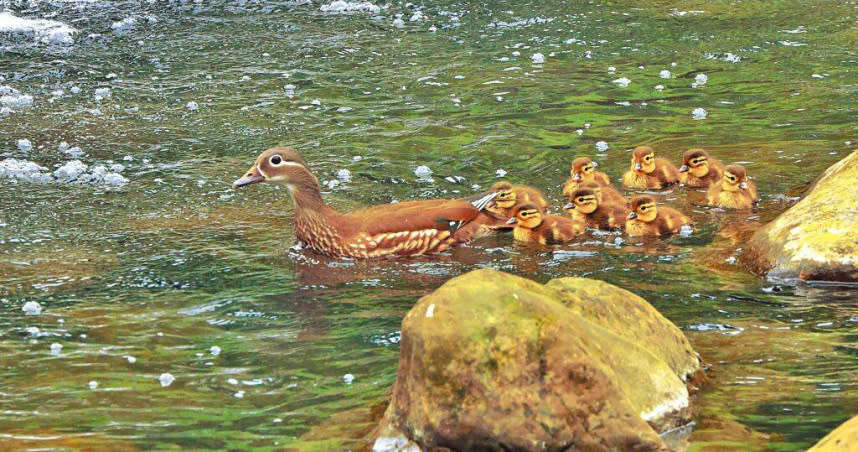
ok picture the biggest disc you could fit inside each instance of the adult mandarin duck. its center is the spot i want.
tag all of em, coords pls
(404, 229)
(699, 169)
(735, 191)
(647, 219)
(533, 226)
(649, 171)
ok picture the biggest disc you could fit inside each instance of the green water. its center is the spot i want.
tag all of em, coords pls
(175, 262)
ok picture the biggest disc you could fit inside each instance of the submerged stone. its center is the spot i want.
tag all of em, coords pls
(816, 239)
(492, 361)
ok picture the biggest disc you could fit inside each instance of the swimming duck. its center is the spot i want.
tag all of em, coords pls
(699, 169)
(649, 171)
(606, 194)
(585, 205)
(584, 170)
(508, 195)
(533, 226)
(647, 219)
(406, 228)
(735, 190)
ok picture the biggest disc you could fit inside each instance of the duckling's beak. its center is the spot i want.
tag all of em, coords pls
(570, 206)
(638, 166)
(252, 177)
(576, 176)
(743, 186)
(632, 215)
(683, 169)
(511, 220)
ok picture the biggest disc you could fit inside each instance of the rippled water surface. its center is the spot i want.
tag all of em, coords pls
(146, 278)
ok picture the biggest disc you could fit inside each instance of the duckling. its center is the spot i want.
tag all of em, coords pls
(606, 194)
(699, 169)
(508, 195)
(585, 205)
(646, 219)
(584, 170)
(735, 190)
(533, 226)
(648, 171)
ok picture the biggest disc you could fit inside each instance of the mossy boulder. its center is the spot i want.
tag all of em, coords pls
(842, 439)
(816, 239)
(492, 361)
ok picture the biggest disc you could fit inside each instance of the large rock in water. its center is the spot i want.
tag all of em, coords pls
(842, 439)
(816, 239)
(492, 361)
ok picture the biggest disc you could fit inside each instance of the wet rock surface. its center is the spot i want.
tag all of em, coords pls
(816, 239)
(492, 361)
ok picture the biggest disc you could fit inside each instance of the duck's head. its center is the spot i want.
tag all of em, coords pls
(696, 162)
(282, 165)
(527, 216)
(584, 201)
(643, 159)
(505, 196)
(582, 169)
(735, 178)
(597, 189)
(643, 208)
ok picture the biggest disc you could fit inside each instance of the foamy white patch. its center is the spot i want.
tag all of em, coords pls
(673, 405)
(166, 379)
(43, 30)
(423, 171)
(123, 26)
(12, 98)
(699, 113)
(538, 58)
(394, 444)
(601, 146)
(74, 171)
(24, 170)
(341, 6)
(664, 73)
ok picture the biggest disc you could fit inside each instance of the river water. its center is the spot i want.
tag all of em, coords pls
(162, 269)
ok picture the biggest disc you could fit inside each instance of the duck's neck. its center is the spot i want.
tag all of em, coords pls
(307, 195)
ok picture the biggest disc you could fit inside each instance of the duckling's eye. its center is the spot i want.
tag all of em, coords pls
(581, 200)
(648, 158)
(276, 160)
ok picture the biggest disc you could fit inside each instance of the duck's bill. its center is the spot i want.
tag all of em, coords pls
(511, 220)
(570, 206)
(252, 177)
(683, 169)
(632, 216)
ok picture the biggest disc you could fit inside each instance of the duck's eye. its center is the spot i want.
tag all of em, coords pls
(648, 158)
(276, 160)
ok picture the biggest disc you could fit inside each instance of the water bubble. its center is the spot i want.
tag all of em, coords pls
(56, 348)
(538, 58)
(192, 106)
(664, 73)
(25, 145)
(166, 379)
(215, 350)
(348, 378)
(500, 173)
(699, 113)
(232, 381)
(32, 308)
(93, 384)
(622, 82)
(344, 175)
(423, 171)
(239, 395)
(131, 359)
(601, 146)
